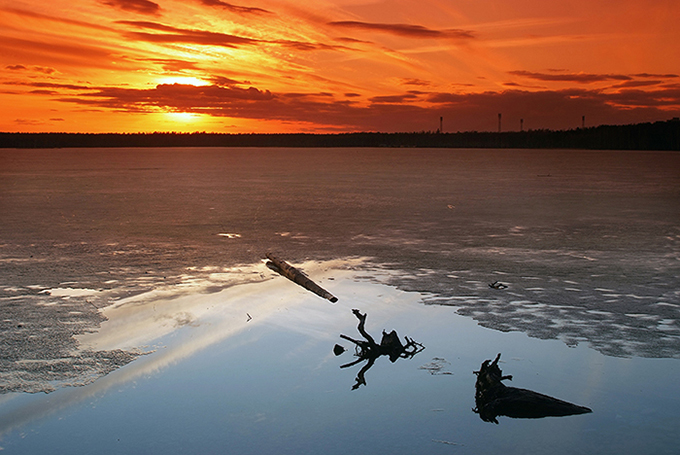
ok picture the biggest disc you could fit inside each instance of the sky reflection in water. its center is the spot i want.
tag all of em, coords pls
(218, 382)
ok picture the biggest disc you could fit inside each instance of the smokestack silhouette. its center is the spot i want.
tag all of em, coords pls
(499, 123)
(521, 124)
(583, 121)
(441, 124)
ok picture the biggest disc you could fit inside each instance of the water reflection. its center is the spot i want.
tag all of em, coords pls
(493, 398)
(368, 350)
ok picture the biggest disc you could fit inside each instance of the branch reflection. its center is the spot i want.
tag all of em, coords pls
(493, 398)
(368, 350)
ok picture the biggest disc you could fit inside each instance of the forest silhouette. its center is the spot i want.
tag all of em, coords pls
(663, 135)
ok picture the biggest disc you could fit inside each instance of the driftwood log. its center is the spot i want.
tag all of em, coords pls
(368, 350)
(283, 268)
(493, 398)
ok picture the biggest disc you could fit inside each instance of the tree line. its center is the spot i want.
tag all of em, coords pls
(663, 135)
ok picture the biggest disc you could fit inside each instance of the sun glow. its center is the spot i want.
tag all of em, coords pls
(182, 117)
(183, 80)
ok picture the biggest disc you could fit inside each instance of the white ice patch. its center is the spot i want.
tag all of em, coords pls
(647, 317)
(667, 325)
(229, 235)
(13, 289)
(603, 313)
(667, 304)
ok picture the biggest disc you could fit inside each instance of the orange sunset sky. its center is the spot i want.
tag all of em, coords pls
(335, 65)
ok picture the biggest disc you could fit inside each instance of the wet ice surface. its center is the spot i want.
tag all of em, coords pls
(625, 319)
(167, 245)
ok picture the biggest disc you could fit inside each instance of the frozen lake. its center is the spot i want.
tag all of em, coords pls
(133, 291)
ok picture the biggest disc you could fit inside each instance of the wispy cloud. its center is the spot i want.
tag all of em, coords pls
(414, 81)
(579, 78)
(63, 20)
(72, 53)
(667, 97)
(625, 80)
(405, 30)
(53, 85)
(223, 81)
(663, 76)
(235, 8)
(346, 39)
(394, 99)
(630, 84)
(166, 34)
(172, 64)
(135, 6)
(39, 69)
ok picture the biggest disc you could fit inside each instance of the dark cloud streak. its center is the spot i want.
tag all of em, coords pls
(406, 30)
(135, 6)
(662, 76)
(179, 35)
(39, 69)
(394, 99)
(174, 35)
(172, 64)
(579, 78)
(235, 8)
(628, 84)
(49, 85)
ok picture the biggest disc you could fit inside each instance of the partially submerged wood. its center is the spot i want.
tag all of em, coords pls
(498, 285)
(283, 268)
(493, 398)
(369, 350)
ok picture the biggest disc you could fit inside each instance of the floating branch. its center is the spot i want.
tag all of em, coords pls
(498, 285)
(493, 398)
(368, 350)
(283, 268)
